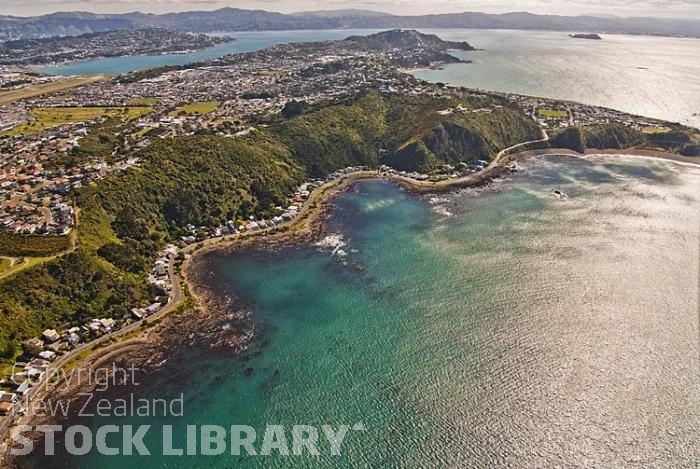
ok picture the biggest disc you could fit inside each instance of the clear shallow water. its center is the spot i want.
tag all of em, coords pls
(524, 331)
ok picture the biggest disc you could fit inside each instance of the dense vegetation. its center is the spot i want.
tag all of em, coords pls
(71, 288)
(206, 180)
(615, 136)
(407, 132)
(15, 245)
(404, 39)
(198, 180)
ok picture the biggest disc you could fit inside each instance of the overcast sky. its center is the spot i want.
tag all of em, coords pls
(658, 8)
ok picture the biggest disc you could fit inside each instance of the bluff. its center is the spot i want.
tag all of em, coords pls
(678, 139)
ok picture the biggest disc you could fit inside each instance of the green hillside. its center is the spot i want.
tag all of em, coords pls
(206, 180)
(679, 139)
(416, 133)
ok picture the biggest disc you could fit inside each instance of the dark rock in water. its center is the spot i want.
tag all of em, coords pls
(586, 36)
(248, 371)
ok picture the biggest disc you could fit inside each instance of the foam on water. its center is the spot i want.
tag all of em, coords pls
(526, 331)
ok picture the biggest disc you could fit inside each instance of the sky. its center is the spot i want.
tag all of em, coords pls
(656, 8)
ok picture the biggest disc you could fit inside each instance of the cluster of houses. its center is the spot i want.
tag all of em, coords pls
(285, 214)
(264, 83)
(34, 189)
(446, 171)
(42, 351)
(552, 114)
(11, 116)
(159, 277)
(53, 216)
(463, 110)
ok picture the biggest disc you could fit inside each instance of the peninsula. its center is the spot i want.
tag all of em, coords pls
(110, 187)
(119, 43)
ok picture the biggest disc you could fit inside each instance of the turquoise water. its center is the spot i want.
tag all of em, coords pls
(506, 328)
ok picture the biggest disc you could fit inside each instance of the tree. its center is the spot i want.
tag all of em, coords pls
(293, 108)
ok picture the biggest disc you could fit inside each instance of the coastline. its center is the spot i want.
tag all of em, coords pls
(149, 345)
(310, 223)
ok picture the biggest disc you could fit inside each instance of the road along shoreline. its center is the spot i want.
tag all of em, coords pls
(149, 345)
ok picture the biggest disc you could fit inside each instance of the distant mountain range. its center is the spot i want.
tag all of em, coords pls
(234, 19)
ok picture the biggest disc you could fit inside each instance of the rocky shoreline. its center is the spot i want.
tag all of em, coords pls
(215, 322)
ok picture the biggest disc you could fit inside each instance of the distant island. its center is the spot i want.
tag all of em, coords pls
(158, 163)
(586, 36)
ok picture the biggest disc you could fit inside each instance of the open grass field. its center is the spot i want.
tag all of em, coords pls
(7, 97)
(48, 117)
(552, 113)
(197, 108)
(5, 264)
(655, 130)
(24, 263)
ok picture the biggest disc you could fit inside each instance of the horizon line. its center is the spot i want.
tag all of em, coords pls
(385, 13)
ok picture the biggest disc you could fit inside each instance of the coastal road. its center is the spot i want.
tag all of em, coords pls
(502, 153)
(474, 178)
(38, 392)
(301, 222)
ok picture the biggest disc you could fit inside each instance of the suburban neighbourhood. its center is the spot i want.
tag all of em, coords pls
(53, 144)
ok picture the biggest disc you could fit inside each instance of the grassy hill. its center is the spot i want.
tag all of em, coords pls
(415, 133)
(404, 39)
(678, 139)
(206, 180)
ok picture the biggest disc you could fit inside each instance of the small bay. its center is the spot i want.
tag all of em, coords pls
(487, 328)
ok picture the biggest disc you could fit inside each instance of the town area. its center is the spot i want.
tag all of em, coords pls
(52, 144)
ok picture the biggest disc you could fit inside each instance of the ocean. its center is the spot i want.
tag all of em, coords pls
(643, 75)
(495, 327)
(650, 76)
